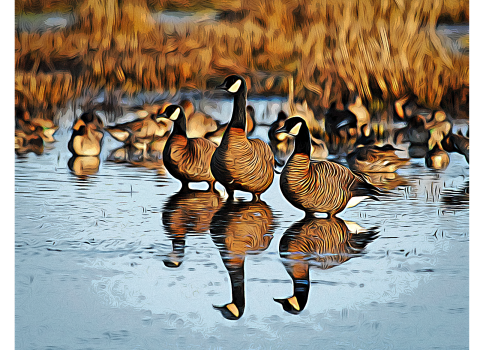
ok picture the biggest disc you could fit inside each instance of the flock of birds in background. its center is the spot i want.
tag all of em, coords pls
(196, 148)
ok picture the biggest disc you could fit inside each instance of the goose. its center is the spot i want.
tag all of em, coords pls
(322, 186)
(86, 137)
(198, 124)
(217, 135)
(368, 157)
(187, 159)
(239, 163)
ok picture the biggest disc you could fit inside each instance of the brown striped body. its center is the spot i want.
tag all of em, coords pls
(319, 186)
(242, 164)
(373, 159)
(316, 186)
(188, 160)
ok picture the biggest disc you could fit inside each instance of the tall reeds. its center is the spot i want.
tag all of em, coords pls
(380, 49)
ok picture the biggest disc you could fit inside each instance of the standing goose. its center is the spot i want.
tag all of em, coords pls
(322, 186)
(239, 163)
(187, 159)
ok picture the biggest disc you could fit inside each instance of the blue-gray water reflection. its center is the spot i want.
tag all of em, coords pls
(95, 255)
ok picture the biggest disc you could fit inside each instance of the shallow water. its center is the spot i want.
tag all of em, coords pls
(96, 262)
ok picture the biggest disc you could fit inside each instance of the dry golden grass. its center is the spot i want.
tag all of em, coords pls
(380, 49)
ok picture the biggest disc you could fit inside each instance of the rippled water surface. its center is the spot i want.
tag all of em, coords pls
(118, 260)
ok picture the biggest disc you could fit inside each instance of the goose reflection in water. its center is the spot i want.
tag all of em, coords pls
(83, 166)
(238, 229)
(187, 212)
(325, 243)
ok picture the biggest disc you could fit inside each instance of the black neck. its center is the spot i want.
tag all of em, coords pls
(239, 116)
(303, 144)
(237, 280)
(180, 125)
(301, 288)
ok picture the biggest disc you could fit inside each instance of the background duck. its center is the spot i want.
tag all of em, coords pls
(362, 115)
(322, 186)
(141, 132)
(437, 159)
(368, 157)
(198, 124)
(187, 159)
(84, 165)
(239, 163)
(457, 143)
(25, 143)
(340, 129)
(86, 137)
(323, 243)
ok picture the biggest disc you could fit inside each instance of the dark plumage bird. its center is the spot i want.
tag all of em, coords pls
(29, 142)
(415, 132)
(322, 186)
(87, 135)
(187, 159)
(239, 163)
(323, 243)
(340, 129)
(457, 143)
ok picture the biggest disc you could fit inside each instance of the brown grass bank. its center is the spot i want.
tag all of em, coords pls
(380, 49)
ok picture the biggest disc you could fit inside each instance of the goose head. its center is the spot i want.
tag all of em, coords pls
(234, 84)
(172, 112)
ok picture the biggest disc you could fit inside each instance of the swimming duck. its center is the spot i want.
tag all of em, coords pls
(323, 186)
(340, 129)
(239, 229)
(415, 132)
(239, 163)
(367, 157)
(437, 159)
(362, 115)
(364, 139)
(457, 143)
(187, 159)
(439, 127)
(323, 243)
(86, 137)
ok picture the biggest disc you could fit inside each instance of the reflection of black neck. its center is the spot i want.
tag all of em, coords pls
(180, 125)
(301, 288)
(239, 116)
(303, 143)
(237, 280)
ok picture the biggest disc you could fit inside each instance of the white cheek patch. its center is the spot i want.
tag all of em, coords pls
(234, 88)
(294, 131)
(175, 114)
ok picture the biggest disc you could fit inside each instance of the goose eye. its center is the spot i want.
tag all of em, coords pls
(234, 88)
(294, 131)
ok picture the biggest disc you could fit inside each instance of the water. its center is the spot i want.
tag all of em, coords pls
(95, 263)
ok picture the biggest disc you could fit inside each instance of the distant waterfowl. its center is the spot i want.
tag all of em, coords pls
(437, 158)
(29, 126)
(407, 107)
(387, 181)
(141, 132)
(323, 186)
(239, 229)
(364, 139)
(322, 243)
(198, 124)
(86, 137)
(362, 115)
(239, 163)
(187, 159)
(439, 127)
(25, 143)
(370, 158)
(415, 132)
(457, 143)
(340, 129)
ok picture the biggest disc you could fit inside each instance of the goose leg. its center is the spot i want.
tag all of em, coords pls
(255, 197)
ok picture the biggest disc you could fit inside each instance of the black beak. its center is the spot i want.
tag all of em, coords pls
(222, 86)
(282, 129)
